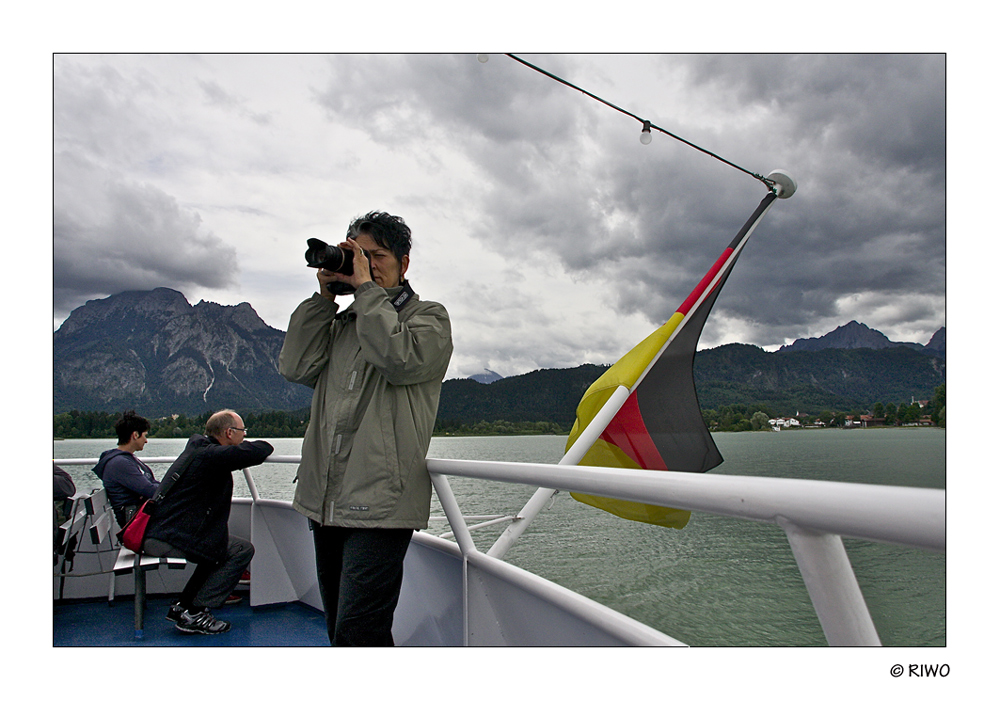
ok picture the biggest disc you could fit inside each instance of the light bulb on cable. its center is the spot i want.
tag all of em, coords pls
(646, 136)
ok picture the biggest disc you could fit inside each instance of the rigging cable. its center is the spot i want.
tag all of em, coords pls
(646, 124)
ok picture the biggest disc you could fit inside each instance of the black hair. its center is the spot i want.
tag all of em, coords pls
(388, 231)
(130, 423)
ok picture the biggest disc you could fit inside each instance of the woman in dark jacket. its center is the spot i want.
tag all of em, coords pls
(127, 479)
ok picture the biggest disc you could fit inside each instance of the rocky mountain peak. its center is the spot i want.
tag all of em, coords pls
(857, 335)
(486, 377)
(937, 341)
(154, 352)
(850, 335)
(241, 315)
(151, 305)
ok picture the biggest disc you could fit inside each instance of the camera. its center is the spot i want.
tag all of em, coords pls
(319, 254)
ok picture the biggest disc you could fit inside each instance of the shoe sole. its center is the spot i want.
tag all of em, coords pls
(200, 630)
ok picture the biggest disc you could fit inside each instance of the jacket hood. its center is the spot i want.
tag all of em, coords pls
(103, 461)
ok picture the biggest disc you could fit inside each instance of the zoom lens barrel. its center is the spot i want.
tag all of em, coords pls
(332, 258)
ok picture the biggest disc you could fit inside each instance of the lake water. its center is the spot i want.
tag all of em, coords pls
(717, 582)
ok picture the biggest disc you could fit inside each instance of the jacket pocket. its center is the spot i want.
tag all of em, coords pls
(372, 484)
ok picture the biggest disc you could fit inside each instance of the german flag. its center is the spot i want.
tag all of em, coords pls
(659, 427)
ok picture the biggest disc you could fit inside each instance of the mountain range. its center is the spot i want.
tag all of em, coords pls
(855, 335)
(155, 352)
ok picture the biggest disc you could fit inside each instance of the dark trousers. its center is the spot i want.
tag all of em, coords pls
(210, 585)
(360, 574)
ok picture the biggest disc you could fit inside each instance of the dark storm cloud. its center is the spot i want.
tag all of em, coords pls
(424, 95)
(552, 181)
(863, 134)
(113, 232)
(112, 235)
(870, 215)
(889, 106)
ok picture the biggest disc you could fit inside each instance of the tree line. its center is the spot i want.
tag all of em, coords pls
(100, 424)
(273, 424)
(282, 424)
(756, 417)
(500, 427)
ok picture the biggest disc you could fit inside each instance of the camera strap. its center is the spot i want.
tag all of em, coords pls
(404, 296)
(398, 302)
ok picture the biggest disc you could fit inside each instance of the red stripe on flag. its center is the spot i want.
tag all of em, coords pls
(709, 276)
(628, 432)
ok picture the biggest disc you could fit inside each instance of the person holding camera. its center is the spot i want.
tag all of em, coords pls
(376, 370)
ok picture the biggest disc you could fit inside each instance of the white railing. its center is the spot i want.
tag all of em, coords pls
(814, 515)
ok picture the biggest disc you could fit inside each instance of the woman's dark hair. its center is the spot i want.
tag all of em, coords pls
(387, 231)
(130, 423)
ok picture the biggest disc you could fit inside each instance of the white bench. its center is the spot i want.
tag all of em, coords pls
(68, 541)
(102, 526)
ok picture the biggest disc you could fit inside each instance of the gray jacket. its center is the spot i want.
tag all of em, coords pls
(376, 376)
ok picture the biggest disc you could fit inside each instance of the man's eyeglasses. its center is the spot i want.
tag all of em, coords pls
(239, 429)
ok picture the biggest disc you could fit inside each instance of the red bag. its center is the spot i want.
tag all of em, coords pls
(135, 530)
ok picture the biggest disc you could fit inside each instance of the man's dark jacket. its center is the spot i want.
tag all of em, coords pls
(194, 514)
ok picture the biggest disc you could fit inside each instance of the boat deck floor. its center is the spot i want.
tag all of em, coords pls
(98, 624)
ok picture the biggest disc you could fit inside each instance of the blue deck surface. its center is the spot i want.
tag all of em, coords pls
(96, 624)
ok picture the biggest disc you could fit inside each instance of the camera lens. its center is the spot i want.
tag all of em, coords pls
(332, 258)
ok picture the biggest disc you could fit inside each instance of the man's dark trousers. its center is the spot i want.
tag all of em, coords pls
(360, 573)
(209, 585)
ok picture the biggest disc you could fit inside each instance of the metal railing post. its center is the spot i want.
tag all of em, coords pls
(832, 586)
(462, 536)
(251, 485)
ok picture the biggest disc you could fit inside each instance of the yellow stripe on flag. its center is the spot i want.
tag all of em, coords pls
(624, 373)
(635, 511)
(607, 455)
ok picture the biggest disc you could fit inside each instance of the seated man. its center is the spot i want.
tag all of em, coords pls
(128, 480)
(192, 519)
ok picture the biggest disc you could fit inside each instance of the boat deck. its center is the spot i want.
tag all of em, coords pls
(96, 624)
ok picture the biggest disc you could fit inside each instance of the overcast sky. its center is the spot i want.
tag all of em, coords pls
(551, 234)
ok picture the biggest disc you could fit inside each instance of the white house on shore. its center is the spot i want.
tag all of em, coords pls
(784, 422)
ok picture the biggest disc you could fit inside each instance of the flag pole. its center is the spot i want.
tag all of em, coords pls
(783, 187)
(573, 456)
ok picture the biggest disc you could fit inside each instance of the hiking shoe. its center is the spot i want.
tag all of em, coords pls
(201, 622)
(174, 612)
